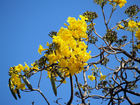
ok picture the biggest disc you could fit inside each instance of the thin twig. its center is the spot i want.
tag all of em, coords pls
(104, 18)
(113, 9)
(85, 81)
(38, 90)
(82, 97)
(39, 80)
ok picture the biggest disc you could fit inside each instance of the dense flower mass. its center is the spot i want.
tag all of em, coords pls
(68, 51)
(71, 53)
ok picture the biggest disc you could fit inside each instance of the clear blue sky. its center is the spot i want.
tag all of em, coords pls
(24, 24)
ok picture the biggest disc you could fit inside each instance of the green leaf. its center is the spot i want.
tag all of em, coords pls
(28, 84)
(53, 85)
(12, 90)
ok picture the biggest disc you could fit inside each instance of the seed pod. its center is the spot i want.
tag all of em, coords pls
(12, 90)
(28, 84)
(53, 85)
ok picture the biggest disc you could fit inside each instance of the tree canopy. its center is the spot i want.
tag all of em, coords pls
(71, 53)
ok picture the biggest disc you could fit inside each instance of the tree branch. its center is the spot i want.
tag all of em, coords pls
(38, 90)
(82, 97)
(71, 83)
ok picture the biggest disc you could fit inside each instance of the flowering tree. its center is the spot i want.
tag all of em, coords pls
(70, 53)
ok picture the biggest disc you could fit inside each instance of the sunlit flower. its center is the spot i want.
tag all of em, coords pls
(40, 49)
(102, 77)
(138, 34)
(138, 46)
(121, 3)
(91, 77)
(132, 24)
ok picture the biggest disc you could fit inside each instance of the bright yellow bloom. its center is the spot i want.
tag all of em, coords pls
(21, 86)
(35, 66)
(47, 44)
(132, 24)
(19, 67)
(91, 77)
(40, 49)
(121, 3)
(78, 27)
(26, 66)
(52, 58)
(102, 77)
(94, 65)
(120, 27)
(71, 52)
(138, 34)
(16, 81)
(138, 23)
(138, 46)
(64, 81)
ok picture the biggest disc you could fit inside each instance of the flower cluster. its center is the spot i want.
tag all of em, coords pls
(71, 51)
(138, 34)
(15, 81)
(133, 24)
(95, 70)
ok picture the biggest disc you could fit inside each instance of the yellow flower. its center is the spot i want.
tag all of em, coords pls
(71, 53)
(64, 81)
(26, 66)
(91, 77)
(40, 49)
(21, 86)
(47, 44)
(52, 58)
(19, 67)
(138, 46)
(132, 24)
(35, 66)
(138, 34)
(102, 77)
(138, 23)
(121, 3)
(94, 65)
(120, 27)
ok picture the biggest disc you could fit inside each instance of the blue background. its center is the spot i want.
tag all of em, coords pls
(24, 24)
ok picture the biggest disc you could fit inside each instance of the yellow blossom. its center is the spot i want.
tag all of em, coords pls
(120, 27)
(121, 3)
(21, 86)
(47, 44)
(64, 81)
(52, 58)
(138, 46)
(16, 81)
(40, 49)
(102, 77)
(34, 66)
(138, 34)
(26, 66)
(71, 53)
(19, 67)
(138, 23)
(132, 24)
(91, 77)
(94, 65)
